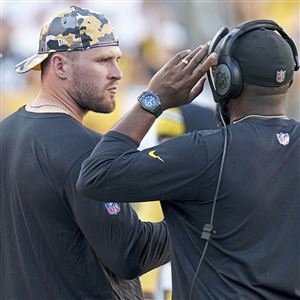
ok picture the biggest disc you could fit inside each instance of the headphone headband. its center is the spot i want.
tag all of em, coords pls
(230, 82)
(253, 25)
(243, 29)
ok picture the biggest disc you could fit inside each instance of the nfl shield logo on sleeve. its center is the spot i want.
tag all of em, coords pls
(112, 208)
(283, 138)
(280, 76)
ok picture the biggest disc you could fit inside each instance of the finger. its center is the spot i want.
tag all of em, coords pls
(197, 59)
(204, 67)
(195, 51)
(197, 89)
(178, 57)
(192, 54)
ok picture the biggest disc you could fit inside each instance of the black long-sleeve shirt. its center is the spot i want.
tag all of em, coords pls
(255, 252)
(56, 243)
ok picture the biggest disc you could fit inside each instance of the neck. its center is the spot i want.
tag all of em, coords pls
(260, 117)
(47, 102)
(239, 109)
(256, 113)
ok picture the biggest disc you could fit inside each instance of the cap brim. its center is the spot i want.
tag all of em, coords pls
(31, 63)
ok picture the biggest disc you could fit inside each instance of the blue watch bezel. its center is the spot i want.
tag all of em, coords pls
(155, 109)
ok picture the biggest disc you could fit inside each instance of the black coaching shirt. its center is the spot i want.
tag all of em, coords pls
(255, 252)
(55, 243)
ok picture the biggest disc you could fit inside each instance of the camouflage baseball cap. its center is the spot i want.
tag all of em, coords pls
(73, 29)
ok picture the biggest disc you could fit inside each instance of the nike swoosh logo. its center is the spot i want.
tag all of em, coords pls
(151, 153)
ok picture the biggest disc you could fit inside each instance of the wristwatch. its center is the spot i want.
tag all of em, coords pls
(150, 102)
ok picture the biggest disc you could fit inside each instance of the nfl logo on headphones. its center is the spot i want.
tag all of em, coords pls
(222, 80)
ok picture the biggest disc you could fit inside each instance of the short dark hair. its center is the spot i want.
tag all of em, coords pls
(262, 91)
(265, 96)
(72, 56)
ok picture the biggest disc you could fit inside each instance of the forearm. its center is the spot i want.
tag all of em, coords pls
(96, 180)
(152, 251)
(143, 249)
(135, 124)
(117, 171)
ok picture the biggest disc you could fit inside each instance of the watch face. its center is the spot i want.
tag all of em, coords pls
(150, 101)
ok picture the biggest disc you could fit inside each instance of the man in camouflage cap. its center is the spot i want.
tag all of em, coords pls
(73, 29)
(59, 244)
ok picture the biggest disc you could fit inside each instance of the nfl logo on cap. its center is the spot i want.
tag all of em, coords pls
(280, 76)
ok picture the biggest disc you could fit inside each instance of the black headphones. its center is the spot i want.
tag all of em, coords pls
(227, 82)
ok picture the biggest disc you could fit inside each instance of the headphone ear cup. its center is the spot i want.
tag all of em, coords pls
(228, 80)
(237, 81)
(222, 79)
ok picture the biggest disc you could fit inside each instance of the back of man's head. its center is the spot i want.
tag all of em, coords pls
(266, 60)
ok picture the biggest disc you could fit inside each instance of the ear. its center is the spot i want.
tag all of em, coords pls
(61, 65)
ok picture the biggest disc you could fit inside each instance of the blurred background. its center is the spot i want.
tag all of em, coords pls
(150, 32)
